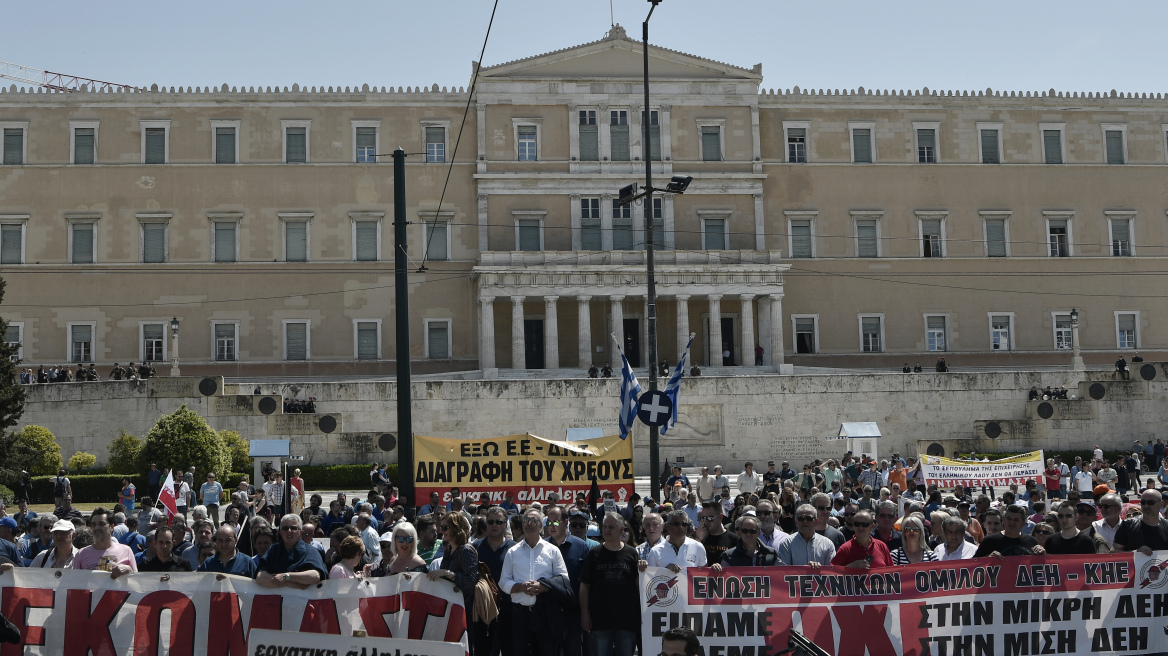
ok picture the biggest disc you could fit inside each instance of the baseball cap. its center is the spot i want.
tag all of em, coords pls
(577, 513)
(64, 525)
(8, 522)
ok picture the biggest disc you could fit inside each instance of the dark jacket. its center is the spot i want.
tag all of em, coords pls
(763, 557)
(552, 607)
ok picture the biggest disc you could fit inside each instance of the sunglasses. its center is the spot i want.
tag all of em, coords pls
(805, 518)
(861, 524)
(765, 513)
(556, 523)
(289, 528)
(1047, 533)
(912, 530)
(405, 539)
(823, 508)
(748, 531)
(496, 522)
(532, 520)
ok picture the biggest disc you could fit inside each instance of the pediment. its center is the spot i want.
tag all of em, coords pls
(617, 56)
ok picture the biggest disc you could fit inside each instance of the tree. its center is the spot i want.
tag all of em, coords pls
(81, 460)
(125, 454)
(37, 451)
(239, 449)
(183, 440)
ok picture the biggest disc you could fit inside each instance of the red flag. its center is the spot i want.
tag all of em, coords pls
(166, 496)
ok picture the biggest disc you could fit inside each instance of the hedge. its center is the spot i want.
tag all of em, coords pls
(101, 488)
(340, 477)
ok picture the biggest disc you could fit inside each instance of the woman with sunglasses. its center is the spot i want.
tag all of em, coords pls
(460, 561)
(405, 556)
(1042, 532)
(914, 547)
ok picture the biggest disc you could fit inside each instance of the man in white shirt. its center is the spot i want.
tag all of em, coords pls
(677, 551)
(1110, 505)
(768, 516)
(705, 486)
(525, 565)
(369, 537)
(955, 546)
(749, 481)
(654, 526)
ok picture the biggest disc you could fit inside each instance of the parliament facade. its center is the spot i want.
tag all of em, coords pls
(862, 228)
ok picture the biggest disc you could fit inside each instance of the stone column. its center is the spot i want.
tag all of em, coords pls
(764, 328)
(518, 350)
(487, 333)
(618, 326)
(551, 333)
(747, 320)
(585, 330)
(777, 355)
(682, 325)
(715, 335)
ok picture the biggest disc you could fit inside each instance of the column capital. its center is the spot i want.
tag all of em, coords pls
(550, 299)
(574, 197)
(483, 197)
(776, 297)
(714, 297)
(746, 298)
(518, 299)
(616, 298)
(486, 298)
(681, 298)
(584, 299)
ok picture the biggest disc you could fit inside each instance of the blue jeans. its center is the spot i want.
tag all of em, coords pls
(611, 642)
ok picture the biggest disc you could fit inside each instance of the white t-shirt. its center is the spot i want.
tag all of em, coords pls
(1099, 454)
(690, 554)
(1084, 481)
(1065, 473)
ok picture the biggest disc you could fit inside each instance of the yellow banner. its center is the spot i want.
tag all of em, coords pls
(947, 472)
(528, 466)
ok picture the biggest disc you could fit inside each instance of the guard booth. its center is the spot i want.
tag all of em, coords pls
(862, 438)
(267, 454)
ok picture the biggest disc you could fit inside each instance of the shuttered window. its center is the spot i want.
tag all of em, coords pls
(155, 145)
(936, 337)
(83, 146)
(82, 243)
(366, 144)
(1114, 146)
(714, 233)
(995, 237)
(152, 346)
(797, 145)
(529, 235)
(926, 146)
(866, 239)
(1126, 333)
(435, 144)
(153, 242)
(862, 145)
(436, 241)
(296, 241)
(870, 334)
(296, 341)
(989, 147)
(14, 146)
(1052, 145)
(438, 340)
(801, 239)
(81, 343)
(590, 234)
(225, 342)
(224, 241)
(12, 335)
(527, 143)
(589, 136)
(365, 233)
(366, 340)
(1121, 237)
(658, 225)
(224, 145)
(654, 135)
(10, 244)
(931, 237)
(711, 143)
(804, 335)
(619, 134)
(296, 145)
(622, 234)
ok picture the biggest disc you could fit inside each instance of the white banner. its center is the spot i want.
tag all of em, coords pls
(947, 472)
(261, 642)
(193, 613)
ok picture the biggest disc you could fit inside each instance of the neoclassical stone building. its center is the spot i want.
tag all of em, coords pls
(862, 228)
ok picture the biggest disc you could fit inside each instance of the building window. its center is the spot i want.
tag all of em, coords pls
(529, 234)
(1058, 233)
(153, 342)
(1125, 330)
(83, 149)
(438, 339)
(658, 224)
(155, 142)
(1053, 143)
(154, 242)
(225, 241)
(715, 228)
(296, 144)
(654, 134)
(435, 143)
(366, 141)
(367, 339)
(590, 136)
(226, 141)
(995, 235)
(366, 240)
(14, 336)
(526, 143)
(926, 142)
(936, 333)
(12, 243)
(296, 340)
(806, 333)
(1115, 143)
(990, 142)
(802, 238)
(862, 149)
(619, 134)
(872, 334)
(932, 243)
(14, 142)
(437, 235)
(710, 140)
(867, 240)
(81, 342)
(1001, 332)
(226, 336)
(590, 231)
(622, 226)
(796, 133)
(83, 242)
(296, 241)
(1063, 333)
(1121, 242)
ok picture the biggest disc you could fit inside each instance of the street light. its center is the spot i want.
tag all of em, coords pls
(174, 346)
(651, 297)
(1076, 359)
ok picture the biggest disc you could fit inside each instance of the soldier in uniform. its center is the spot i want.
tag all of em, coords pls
(91, 373)
(116, 374)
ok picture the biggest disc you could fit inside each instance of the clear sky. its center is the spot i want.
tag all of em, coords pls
(1070, 45)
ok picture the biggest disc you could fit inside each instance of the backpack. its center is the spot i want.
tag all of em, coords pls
(59, 486)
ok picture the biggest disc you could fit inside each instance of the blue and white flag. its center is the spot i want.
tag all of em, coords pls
(673, 387)
(630, 394)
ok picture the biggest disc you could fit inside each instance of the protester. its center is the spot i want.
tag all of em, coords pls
(164, 559)
(492, 548)
(289, 562)
(677, 552)
(769, 516)
(750, 551)
(227, 559)
(1110, 506)
(1011, 541)
(351, 552)
(105, 554)
(1069, 540)
(429, 546)
(609, 600)
(62, 554)
(713, 534)
(806, 546)
(1146, 533)
(209, 496)
(534, 574)
(955, 546)
(863, 551)
(915, 548)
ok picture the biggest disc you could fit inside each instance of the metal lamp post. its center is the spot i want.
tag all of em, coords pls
(174, 347)
(1076, 358)
(651, 296)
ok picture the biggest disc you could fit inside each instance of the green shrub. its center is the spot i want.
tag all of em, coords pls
(7, 494)
(38, 447)
(182, 440)
(81, 460)
(238, 448)
(125, 454)
(101, 489)
(340, 477)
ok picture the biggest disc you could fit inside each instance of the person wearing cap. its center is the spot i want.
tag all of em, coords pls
(578, 525)
(675, 478)
(8, 541)
(61, 555)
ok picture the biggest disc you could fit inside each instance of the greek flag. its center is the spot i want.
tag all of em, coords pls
(673, 387)
(630, 394)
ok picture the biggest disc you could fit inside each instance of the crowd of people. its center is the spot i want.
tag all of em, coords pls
(81, 373)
